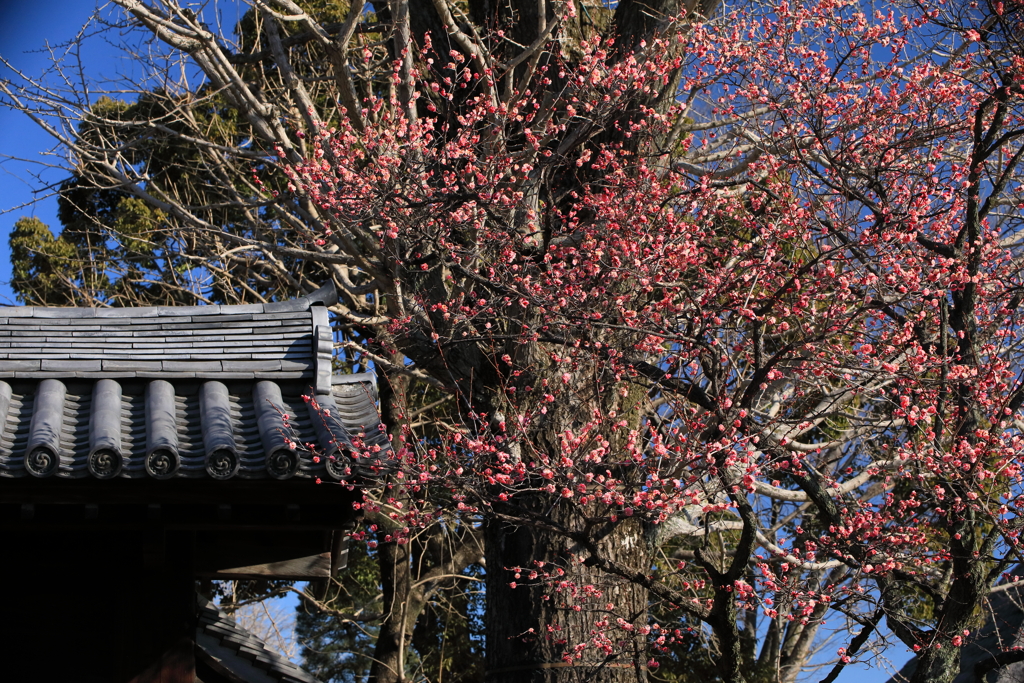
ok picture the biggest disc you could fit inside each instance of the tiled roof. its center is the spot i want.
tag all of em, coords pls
(163, 392)
(280, 340)
(225, 646)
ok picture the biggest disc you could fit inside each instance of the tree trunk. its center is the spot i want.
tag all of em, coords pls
(393, 559)
(939, 659)
(396, 580)
(533, 624)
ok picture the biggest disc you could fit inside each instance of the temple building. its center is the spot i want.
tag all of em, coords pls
(144, 449)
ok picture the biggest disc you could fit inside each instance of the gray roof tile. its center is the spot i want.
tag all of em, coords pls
(16, 311)
(296, 365)
(243, 655)
(72, 365)
(192, 366)
(14, 365)
(135, 312)
(253, 365)
(79, 398)
(173, 311)
(237, 426)
(41, 312)
(183, 339)
(114, 365)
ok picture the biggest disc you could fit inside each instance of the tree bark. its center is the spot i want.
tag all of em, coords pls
(393, 559)
(939, 658)
(395, 631)
(532, 624)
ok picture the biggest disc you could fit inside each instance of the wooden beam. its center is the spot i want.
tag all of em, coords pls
(298, 569)
(182, 491)
(339, 550)
(110, 514)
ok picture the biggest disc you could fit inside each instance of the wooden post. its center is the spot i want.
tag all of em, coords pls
(167, 598)
(176, 665)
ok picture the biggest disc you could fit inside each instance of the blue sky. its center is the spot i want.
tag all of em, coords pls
(27, 27)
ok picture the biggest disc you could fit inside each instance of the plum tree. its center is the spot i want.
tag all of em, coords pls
(723, 300)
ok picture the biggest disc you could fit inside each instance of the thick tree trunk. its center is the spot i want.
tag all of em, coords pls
(530, 626)
(571, 621)
(533, 624)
